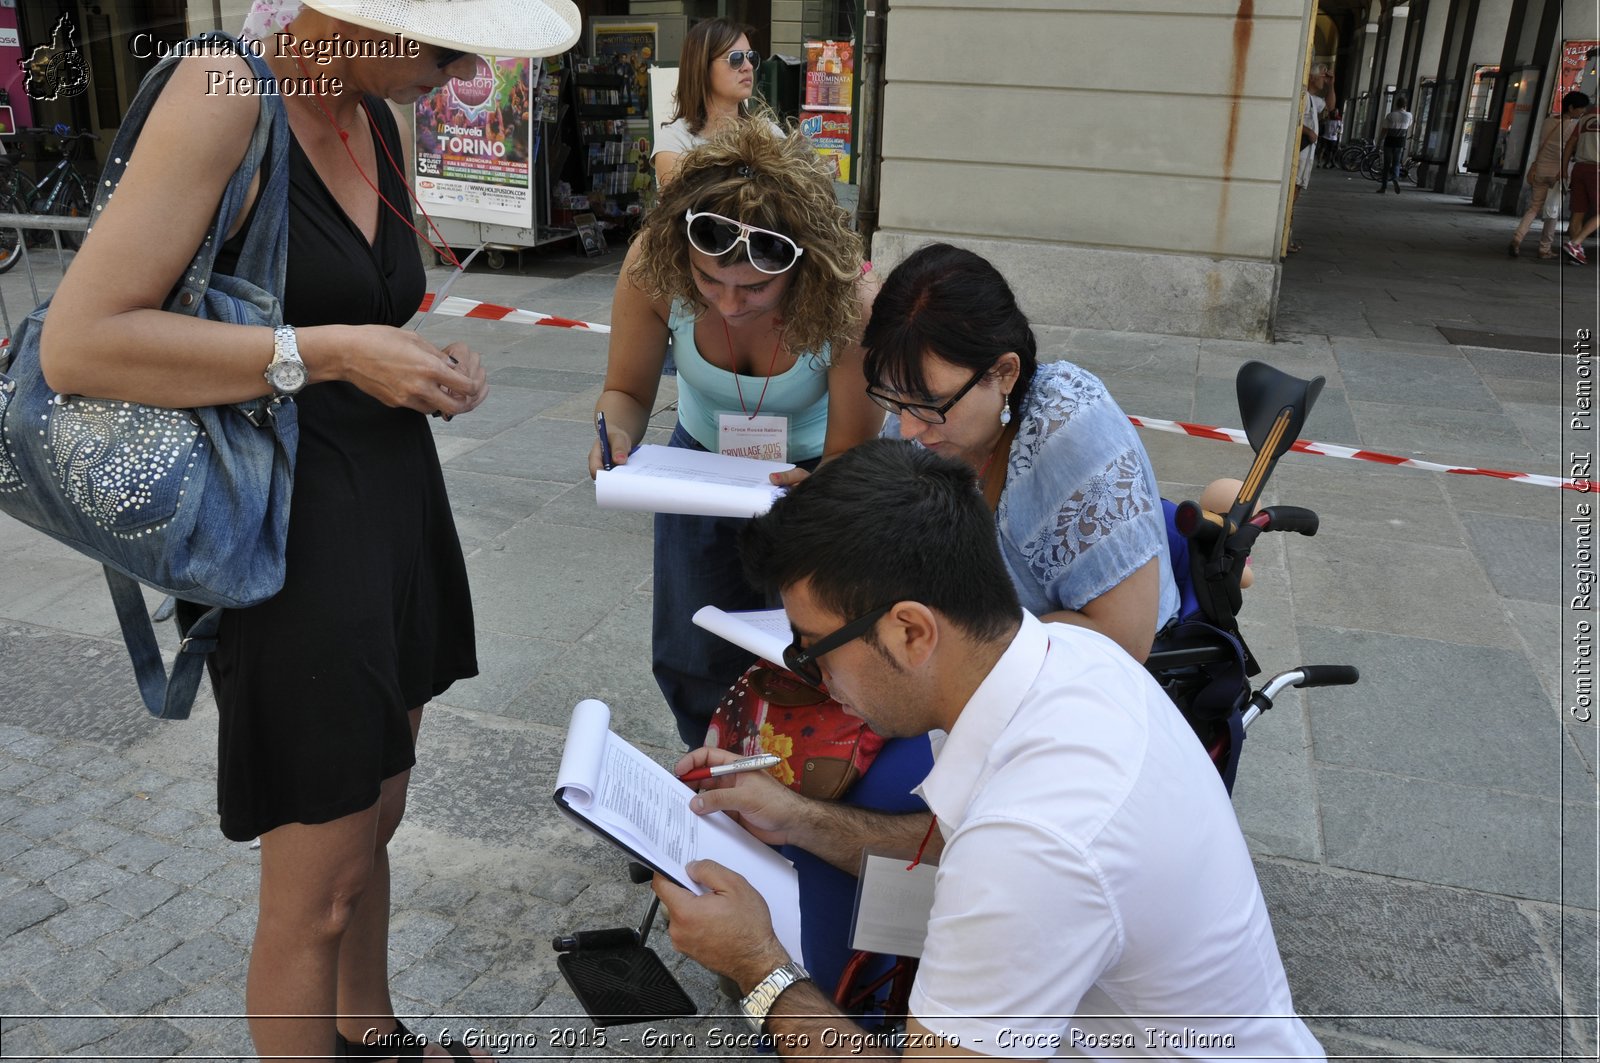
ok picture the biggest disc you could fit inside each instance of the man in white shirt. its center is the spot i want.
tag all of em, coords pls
(1396, 129)
(1094, 894)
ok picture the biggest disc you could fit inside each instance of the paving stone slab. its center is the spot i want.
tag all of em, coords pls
(1471, 715)
(1402, 588)
(1425, 831)
(201, 959)
(1373, 957)
(507, 664)
(1477, 439)
(82, 923)
(486, 506)
(58, 688)
(537, 449)
(549, 581)
(1521, 556)
(27, 908)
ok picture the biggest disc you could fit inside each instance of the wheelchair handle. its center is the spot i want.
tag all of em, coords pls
(1289, 519)
(1329, 675)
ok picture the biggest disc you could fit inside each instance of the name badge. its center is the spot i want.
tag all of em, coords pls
(764, 436)
(892, 905)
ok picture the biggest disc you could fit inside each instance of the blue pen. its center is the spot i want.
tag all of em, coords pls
(606, 461)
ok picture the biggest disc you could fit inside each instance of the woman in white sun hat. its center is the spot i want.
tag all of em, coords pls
(319, 690)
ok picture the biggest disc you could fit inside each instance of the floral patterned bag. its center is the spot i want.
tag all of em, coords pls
(769, 710)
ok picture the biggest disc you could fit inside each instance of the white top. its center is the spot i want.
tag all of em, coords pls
(1093, 865)
(1397, 122)
(675, 136)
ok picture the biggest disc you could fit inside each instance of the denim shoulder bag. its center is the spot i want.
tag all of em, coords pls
(193, 503)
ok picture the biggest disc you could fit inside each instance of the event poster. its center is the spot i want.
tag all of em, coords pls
(1577, 71)
(19, 109)
(475, 144)
(830, 75)
(829, 133)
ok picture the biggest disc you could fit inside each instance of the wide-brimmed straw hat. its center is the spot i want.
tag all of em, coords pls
(483, 27)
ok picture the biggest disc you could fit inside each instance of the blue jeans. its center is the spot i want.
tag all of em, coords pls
(1394, 150)
(696, 564)
(827, 894)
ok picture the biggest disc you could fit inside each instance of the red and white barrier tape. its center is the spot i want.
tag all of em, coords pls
(454, 306)
(1333, 450)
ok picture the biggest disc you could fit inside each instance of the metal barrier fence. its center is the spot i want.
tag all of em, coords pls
(28, 223)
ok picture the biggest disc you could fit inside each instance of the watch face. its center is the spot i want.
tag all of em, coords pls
(287, 377)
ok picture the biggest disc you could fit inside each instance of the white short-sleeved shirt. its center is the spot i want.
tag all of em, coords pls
(1093, 867)
(675, 136)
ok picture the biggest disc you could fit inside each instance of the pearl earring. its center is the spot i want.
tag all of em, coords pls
(1005, 415)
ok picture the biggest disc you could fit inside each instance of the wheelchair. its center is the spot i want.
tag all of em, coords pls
(1200, 659)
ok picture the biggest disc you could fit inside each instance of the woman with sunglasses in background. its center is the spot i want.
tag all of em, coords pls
(716, 75)
(749, 264)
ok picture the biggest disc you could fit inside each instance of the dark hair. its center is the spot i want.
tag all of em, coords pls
(1574, 101)
(1400, 101)
(703, 43)
(949, 302)
(887, 521)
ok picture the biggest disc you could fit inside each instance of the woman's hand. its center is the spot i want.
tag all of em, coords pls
(789, 477)
(399, 368)
(621, 445)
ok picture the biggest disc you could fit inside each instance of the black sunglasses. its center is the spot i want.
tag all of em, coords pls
(802, 661)
(923, 411)
(736, 59)
(448, 56)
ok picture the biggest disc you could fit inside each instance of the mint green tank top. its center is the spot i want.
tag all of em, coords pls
(705, 390)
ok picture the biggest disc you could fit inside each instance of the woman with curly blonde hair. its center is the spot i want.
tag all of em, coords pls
(749, 265)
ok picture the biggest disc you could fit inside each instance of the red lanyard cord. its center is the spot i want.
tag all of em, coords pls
(732, 362)
(443, 248)
(926, 838)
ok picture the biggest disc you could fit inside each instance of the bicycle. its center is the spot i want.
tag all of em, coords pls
(1354, 152)
(65, 190)
(16, 196)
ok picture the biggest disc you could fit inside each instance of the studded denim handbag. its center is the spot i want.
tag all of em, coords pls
(193, 503)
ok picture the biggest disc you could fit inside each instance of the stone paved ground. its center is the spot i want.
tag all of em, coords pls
(1426, 840)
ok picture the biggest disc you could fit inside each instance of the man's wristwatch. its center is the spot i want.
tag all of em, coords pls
(766, 993)
(286, 372)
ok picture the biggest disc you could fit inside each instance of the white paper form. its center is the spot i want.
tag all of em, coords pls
(661, 479)
(764, 632)
(615, 790)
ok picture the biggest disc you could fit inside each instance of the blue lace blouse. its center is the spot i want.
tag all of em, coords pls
(1080, 511)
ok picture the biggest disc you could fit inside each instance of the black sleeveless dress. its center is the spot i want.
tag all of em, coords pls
(375, 618)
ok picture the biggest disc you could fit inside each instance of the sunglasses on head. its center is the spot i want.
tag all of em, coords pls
(920, 410)
(802, 661)
(712, 234)
(737, 59)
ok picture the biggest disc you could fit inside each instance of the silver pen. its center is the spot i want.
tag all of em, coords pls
(711, 771)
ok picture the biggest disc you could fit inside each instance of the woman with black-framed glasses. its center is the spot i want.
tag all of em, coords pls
(716, 78)
(750, 267)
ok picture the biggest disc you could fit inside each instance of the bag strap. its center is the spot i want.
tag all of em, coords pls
(264, 257)
(262, 261)
(168, 697)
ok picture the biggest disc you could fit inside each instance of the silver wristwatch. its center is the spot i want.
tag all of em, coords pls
(286, 372)
(766, 993)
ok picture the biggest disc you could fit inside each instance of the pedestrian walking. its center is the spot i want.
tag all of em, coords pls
(1547, 173)
(1396, 128)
